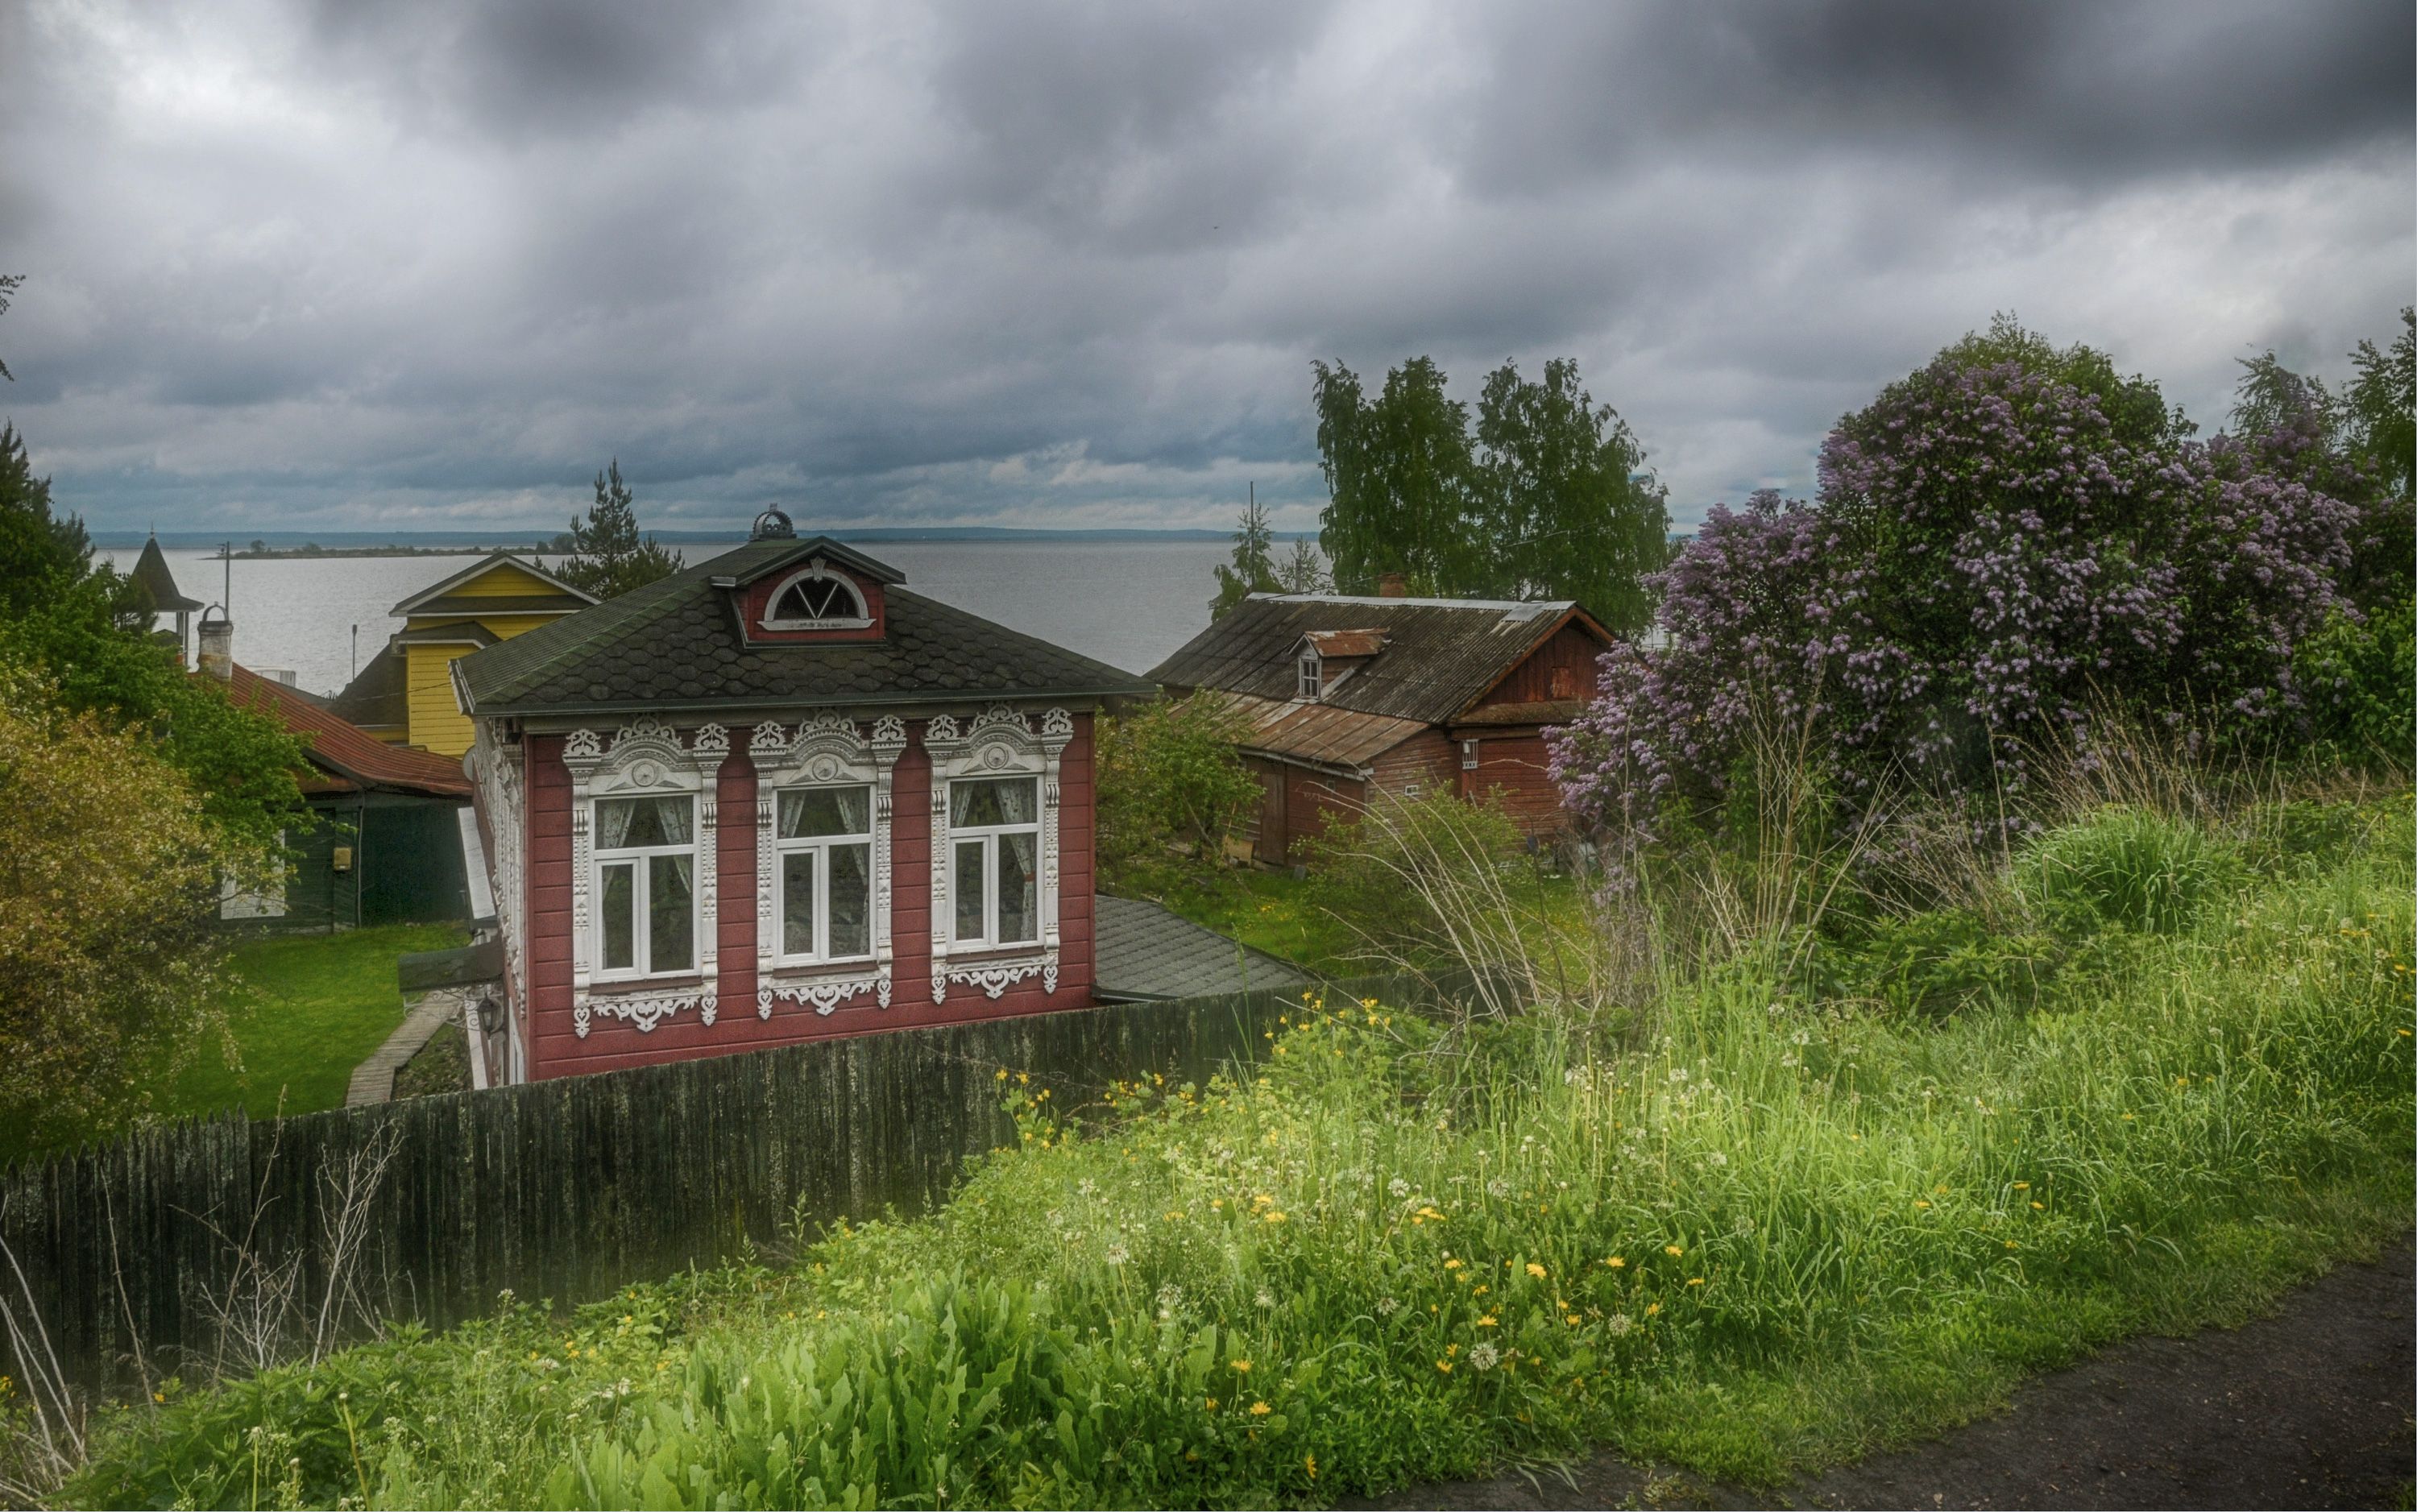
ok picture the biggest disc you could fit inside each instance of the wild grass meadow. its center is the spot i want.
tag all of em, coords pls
(1777, 1199)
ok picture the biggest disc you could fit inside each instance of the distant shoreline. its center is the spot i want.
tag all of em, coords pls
(294, 544)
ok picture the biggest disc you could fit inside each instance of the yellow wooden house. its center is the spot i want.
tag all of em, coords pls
(405, 696)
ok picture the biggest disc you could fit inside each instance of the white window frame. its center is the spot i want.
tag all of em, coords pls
(646, 758)
(1310, 670)
(828, 751)
(990, 838)
(641, 860)
(1001, 742)
(1468, 755)
(821, 571)
(820, 847)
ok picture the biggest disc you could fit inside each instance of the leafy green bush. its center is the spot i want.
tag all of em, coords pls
(1931, 965)
(1413, 876)
(2130, 866)
(2361, 683)
(1172, 791)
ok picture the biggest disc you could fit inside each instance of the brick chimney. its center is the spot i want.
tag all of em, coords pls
(213, 650)
(1392, 586)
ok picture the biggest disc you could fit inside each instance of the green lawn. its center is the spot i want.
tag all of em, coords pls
(310, 1009)
(1269, 910)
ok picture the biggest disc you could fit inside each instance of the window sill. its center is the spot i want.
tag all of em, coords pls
(633, 985)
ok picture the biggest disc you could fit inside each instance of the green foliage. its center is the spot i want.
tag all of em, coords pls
(84, 628)
(1566, 503)
(1302, 572)
(2130, 866)
(8, 285)
(1172, 791)
(1548, 500)
(1934, 964)
(108, 968)
(2379, 407)
(2360, 680)
(1387, 871)
(609, 558)
(2134, 407)
(1772, 1232)
(1255, 566)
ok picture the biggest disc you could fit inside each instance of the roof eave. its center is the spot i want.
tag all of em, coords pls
(731, 708)
(487, 563)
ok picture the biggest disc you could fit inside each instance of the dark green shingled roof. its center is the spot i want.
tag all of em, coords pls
(1141, 952)
(675, 645)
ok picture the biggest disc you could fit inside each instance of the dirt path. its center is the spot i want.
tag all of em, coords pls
(2309, 1407)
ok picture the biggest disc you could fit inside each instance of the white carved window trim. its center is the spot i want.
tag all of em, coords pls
(817, 570)
(999, 743)
(641, 861)
(827, 750)
(820, 847)
(645, 759)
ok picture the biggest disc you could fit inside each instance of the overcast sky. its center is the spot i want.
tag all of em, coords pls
(420, 264)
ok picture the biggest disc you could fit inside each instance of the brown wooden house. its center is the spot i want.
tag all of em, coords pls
(779, 797)
(1349, 697)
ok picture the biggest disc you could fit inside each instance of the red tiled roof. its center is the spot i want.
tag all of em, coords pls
(345, 751)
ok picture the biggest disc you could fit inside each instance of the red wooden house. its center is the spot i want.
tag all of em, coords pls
(778, 796)
(1349, 697)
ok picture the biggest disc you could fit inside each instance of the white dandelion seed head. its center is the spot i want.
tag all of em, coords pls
(1619, 1324)
(1497, 1187)
(1398, 1187)
(1117, 1255)
(1387, 1308)
(1483, 1357)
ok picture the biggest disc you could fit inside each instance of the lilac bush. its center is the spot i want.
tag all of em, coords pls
(1991, 560)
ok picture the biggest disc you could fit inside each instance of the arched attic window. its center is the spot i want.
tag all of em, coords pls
(817, 599)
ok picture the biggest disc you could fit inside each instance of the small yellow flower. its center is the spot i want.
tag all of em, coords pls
(1674, 1251)
(1275, 1217)
(2022, 1186)
(1367, 1001)
(1535, 1270)
(1652, 1308)
(1260, 1409)
(1242, 1366)
(1919, 1203)
(1310, 1460)
(2041, 1206)
(1445, 1365)
(1452, 1264)
(1695, 1281)
(1002, 1074)
(1486, 1322)
(1616, 1262)
(1211, 1407)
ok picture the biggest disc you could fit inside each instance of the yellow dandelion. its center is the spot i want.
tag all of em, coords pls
(1486, 1322)
(1695, 1281)
(1310, 1460)
(1211, 1407)
(2041, 1206)
(1616, 1262)
(1674, 1251)
(1243, 1367)
(1452, 1264)
(1260, 1409)
(1445, 1365)
(1652, 1308)
(2022, 1186)
(1275, 1217)
(1919, 1203)
(1535, 1270)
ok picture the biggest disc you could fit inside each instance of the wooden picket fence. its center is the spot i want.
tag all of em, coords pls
(155, 1253)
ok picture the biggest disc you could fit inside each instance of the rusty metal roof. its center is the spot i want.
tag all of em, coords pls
(1343, 644)
(1437, 658)
(1547, 711)
(1320, 734)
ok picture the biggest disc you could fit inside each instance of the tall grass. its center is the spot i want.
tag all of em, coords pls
(1761, 1226)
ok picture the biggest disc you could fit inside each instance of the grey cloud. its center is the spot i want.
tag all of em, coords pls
(966, 262)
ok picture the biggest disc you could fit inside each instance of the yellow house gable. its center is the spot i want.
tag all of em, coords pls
(493, 600)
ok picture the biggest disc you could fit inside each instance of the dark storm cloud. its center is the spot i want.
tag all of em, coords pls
(361, 265)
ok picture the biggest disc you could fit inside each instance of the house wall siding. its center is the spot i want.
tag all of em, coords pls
(1511, 768)
(613, 1044)
(1425, 761)
(437, 722)
(1563, 667)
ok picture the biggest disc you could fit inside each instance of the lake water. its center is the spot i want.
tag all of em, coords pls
(1126, 604)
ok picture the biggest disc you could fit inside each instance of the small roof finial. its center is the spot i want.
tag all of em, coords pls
(772, 525)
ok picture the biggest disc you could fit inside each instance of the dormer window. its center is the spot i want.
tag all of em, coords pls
(1312, 675)
(817, 599)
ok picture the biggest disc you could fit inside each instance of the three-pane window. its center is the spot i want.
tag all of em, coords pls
(645, 887)
(994, 877)
(824, 841)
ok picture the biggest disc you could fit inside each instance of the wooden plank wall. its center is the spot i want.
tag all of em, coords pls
(560, 1189)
